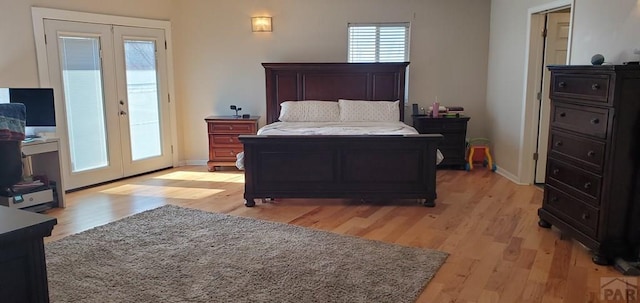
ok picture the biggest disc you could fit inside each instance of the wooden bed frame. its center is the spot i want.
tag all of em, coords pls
(361, 167)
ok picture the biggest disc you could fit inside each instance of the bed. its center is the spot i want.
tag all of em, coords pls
(365, 167)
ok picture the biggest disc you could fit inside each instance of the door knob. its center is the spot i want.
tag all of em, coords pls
(123, 113)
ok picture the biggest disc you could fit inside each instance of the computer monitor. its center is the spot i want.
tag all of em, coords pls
(39, 103)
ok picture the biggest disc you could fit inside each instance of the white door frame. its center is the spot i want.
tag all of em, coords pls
(529, 131)
(39, 14)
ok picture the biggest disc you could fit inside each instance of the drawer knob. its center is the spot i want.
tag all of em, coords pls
(553, 199)
(556, 171)
(230, 127)
(595, 86)
(595, 121)
(231, 153)
(562, 84)
(587, 185)
(591, 153)
(559, 143)
(563, 114)
(230, 139)
(585, 216)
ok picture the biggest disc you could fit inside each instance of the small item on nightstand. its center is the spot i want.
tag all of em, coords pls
(237, 109)
(436, 108)
(246, 116)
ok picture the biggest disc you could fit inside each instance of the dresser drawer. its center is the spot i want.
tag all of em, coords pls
(224, 139)
(583, 183)
(586, 120)
(586, 87)
(584, 216)
(222, 127)
(584, 151)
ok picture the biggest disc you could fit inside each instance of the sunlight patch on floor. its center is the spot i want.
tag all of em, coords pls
(169, 192)
(233, 177)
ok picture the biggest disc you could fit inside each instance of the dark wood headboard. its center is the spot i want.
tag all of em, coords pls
(333, 81)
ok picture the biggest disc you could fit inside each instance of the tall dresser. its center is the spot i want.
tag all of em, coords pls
(591, 188)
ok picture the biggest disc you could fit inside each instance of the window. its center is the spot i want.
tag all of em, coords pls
(378, 42)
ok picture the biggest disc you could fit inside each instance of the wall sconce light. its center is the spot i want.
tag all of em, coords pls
(261, 24)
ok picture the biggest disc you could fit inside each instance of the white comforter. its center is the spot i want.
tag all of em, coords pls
(335, 128)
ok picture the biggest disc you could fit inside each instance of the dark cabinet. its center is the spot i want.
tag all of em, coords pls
(593, 158)
(23, 269)
(454, 131)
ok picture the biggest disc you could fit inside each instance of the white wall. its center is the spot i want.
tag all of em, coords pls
(18, 66)
(606, 27)
(217, 57)
(611, 29)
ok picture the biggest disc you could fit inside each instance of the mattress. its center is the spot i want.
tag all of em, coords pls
(335, 128)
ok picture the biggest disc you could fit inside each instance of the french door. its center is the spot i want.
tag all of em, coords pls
(112, 82)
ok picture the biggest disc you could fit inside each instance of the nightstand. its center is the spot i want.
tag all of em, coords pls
(223, 134)
(454, 130)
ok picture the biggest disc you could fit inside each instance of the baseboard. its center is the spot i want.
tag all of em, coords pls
(513, 178)
(195, 162)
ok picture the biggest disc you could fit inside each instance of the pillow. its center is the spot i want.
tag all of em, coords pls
(309, 111)
(355, 110)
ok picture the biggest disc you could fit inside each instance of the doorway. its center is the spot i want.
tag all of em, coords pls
(555, 46)
(112, 100)
(549, 44)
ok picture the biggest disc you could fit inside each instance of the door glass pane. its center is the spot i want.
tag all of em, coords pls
(143, 99)
(82, 81)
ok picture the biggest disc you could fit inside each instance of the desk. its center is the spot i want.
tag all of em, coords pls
(45, 160)
(23, 270)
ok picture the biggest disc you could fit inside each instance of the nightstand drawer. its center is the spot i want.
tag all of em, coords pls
(232, 128)
(226, 153)
(586, 120)
(224, 139)
(433, 126)
(587, 87)
(563, 205)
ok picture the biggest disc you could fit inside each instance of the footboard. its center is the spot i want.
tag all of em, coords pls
(392, 166)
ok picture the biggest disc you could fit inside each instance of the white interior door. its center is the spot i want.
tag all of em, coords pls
(111, 91)
(555, 52)
(142, 99)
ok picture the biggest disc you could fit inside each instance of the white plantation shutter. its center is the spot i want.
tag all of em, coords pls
(378, 42)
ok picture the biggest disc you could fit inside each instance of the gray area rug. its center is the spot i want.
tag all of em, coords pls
(174, 254)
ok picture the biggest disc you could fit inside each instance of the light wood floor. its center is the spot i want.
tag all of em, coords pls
(487, 223)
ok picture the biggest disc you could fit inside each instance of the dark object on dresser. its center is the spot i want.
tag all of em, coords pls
(23, 270)
(223, 134)
(361, 167)
(591, 191)
(454, 131)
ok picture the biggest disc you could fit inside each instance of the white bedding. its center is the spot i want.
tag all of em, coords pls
(335, 128)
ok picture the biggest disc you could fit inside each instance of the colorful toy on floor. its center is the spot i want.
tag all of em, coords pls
(479, 152)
